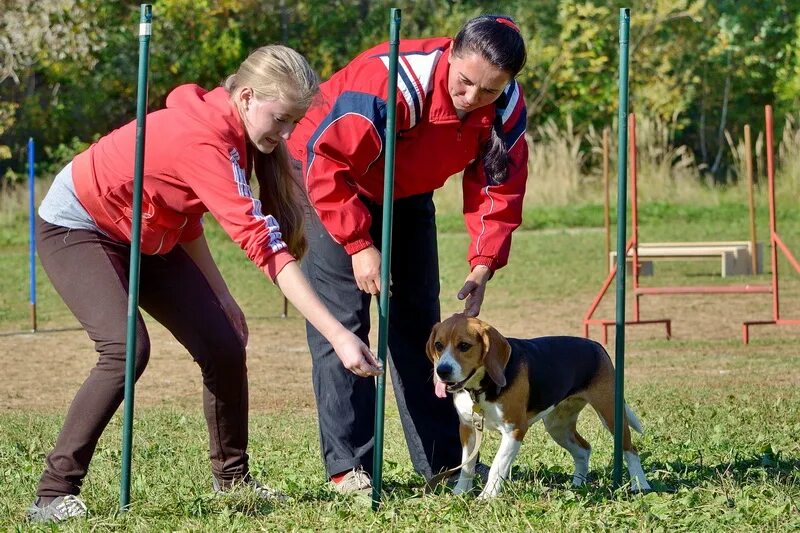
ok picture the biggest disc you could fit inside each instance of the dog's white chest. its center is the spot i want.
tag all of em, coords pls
(492, 413)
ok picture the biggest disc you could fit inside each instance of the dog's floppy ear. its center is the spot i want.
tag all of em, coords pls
(429, 350)
(496, 353)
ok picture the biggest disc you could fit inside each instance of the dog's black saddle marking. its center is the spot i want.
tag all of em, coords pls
(557, 368)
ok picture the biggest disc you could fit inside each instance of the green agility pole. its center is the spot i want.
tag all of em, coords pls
(622, 204)
(386, 255)
(145, 21)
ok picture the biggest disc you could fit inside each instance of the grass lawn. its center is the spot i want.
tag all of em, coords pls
(721, 419)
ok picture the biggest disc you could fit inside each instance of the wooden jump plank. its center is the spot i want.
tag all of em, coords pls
(655, 253)
(707, 244)
(734, 255)
(726, 289)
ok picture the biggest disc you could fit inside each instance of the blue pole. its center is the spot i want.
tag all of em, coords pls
(622, 227)
(32, 225)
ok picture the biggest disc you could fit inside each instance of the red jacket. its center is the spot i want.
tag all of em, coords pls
(340, 143)
(195, 161)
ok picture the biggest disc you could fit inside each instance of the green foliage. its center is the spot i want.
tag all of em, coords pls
(745, 54)
(69, 67)
(789, 73)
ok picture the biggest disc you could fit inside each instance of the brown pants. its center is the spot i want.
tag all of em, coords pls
(90, 272)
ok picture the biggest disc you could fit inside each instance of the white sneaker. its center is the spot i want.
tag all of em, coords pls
(356, 482)
(60, 509)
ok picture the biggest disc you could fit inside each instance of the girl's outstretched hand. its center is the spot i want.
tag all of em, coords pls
(356, 356)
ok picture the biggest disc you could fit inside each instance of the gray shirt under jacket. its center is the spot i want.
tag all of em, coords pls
(61, 205)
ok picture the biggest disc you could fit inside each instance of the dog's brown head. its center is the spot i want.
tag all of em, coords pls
(463, 350)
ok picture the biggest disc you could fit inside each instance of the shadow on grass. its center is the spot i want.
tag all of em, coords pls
(38, 331)
(757, 468)
(666, 477)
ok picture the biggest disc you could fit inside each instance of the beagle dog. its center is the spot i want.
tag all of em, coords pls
(515, 383)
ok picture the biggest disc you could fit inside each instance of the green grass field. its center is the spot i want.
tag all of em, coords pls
(721, 419)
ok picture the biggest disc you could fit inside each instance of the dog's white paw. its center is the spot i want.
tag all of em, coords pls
(462, 487)
(489, 491)
(578, 480)
(487, 495)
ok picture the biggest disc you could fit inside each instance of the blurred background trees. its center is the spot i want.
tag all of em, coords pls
(705, 67)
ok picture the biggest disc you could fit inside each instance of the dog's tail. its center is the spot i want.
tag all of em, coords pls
(633, 420)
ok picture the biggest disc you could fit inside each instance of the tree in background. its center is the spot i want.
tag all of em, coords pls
(736, 69)
(68, 71)
(789, 72)
(35, 37)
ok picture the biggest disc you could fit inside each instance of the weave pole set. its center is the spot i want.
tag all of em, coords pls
(145, 31)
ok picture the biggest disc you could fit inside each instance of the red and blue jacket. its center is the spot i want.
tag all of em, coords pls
(340, 143)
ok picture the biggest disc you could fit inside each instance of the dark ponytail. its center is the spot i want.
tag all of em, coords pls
(495, 154)
(498, 40)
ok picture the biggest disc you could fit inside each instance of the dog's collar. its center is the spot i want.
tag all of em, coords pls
(475, 393)
(482, 389)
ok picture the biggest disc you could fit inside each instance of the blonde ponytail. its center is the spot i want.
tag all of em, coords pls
(276, 72)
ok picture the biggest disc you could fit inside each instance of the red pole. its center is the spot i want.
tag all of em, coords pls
(773, 230)
(606, 216)
(787, 253)
(604, 288)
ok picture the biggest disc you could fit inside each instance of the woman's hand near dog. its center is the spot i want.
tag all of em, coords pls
(354, 354)
(474, 289)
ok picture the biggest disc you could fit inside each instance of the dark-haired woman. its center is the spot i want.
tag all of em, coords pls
(458, 109)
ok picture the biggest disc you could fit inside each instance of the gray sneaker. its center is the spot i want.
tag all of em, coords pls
(356, 482)
(60, 509)
(262, 492)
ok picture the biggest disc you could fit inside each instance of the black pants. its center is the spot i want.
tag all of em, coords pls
(345, 402)
(90, 272)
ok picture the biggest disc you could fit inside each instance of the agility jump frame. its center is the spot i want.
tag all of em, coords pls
(632, 249)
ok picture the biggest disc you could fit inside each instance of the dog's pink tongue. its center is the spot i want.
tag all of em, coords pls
(440, 388)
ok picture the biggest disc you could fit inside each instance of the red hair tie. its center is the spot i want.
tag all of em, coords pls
(509, 23)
